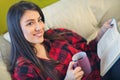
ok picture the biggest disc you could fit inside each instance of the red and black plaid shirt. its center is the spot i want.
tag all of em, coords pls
(63, 52)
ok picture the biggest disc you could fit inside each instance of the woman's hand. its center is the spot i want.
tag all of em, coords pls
(74, 74)
(103, 29)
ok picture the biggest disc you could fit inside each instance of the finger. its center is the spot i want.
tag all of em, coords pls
(71, 65)
(77, 69)
(79, 75)
(108, 21)
(78, 72)
(107, 24)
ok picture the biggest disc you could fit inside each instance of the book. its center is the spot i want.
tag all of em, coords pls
(108, 48)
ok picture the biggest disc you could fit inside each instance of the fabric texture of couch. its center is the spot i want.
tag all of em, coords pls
(4, 56)
(82, 16)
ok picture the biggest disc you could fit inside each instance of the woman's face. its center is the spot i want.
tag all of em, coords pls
(32, 26)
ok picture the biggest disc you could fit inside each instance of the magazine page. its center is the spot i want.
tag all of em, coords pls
(109, 48)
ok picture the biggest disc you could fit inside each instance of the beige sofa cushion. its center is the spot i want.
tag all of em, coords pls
(71, 14)
(105, 9)
(4, 75)
(4, 49)
(4, 57)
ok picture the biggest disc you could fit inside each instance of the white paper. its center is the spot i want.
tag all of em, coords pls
(109, 48)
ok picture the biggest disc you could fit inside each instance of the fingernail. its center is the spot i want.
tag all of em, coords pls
(111, 24)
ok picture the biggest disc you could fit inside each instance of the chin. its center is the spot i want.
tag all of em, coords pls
(39, 40)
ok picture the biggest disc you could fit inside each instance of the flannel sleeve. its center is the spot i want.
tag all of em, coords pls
(75, 39)
(25, 71)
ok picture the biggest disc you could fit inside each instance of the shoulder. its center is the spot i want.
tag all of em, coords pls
(21, 61)
(23, 65)
(58, 30)
(64, 32)
(24, 69)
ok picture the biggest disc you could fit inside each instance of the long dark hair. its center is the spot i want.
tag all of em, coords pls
(19, 45)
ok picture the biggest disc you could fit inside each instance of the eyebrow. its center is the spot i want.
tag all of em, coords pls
(29, 20)
(32, 19)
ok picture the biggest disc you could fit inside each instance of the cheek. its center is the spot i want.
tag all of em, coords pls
(27, 33)
(43, 25)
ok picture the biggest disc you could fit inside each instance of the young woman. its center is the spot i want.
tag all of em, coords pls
(46, 55)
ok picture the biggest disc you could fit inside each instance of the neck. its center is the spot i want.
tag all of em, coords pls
(41, 51)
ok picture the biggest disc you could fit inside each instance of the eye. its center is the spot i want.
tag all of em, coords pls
(40, 20)
(30, 23)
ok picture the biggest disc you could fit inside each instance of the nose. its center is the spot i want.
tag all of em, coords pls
(37, 28)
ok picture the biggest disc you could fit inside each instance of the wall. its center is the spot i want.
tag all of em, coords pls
(5, 4)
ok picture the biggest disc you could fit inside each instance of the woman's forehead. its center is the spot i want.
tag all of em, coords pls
(30, 14)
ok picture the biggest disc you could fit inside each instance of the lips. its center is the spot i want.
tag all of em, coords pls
(38, 34)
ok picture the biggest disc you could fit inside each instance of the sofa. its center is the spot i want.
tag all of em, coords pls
(82, 16)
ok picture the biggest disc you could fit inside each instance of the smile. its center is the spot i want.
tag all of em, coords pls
(38, 34)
